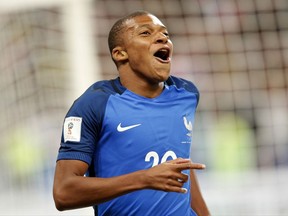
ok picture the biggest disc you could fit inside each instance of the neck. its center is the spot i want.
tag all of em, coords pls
(142, 87)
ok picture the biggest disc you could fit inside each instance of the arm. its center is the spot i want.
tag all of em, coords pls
(198, 204)
(72, 190)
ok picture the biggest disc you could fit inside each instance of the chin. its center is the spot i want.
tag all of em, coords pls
(163, 76)
(164, 72)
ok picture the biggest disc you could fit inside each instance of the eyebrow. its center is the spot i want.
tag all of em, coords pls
(149, 26)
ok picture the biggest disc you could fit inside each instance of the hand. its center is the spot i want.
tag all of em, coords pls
(168, 176)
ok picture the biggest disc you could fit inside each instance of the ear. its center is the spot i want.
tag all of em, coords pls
(119, 54)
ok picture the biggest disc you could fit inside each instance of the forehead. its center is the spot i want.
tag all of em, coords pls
(142, 21)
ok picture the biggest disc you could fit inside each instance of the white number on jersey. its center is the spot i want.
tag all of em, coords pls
(152, 155)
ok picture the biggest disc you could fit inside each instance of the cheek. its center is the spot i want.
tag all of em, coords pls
(138, 53)
(139, 58)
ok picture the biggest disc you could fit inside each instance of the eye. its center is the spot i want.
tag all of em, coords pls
(166, 34)
(145, 33)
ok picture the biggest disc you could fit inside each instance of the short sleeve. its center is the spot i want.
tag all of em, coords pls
(81, 127)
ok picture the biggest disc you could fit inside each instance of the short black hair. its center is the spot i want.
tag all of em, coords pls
(115, 34)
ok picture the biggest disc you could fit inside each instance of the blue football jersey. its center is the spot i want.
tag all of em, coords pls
(117, 132)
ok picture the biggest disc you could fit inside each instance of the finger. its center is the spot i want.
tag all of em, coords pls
(176, 183)
(180, 161)
(188, 161)
(182, 177)
(186, 166)
(183, 190)
(175, 186)
(197, 166)
(177, 189)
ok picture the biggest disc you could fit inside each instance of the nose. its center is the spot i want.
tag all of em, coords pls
(161, 38)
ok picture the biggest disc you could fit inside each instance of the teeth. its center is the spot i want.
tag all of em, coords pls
(162, 53)
(163, 50)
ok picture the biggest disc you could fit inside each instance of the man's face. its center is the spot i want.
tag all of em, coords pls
(149, 48)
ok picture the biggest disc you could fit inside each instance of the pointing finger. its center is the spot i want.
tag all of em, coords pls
(185, 166)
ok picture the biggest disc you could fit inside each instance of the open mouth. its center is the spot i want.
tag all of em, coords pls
(163, 55)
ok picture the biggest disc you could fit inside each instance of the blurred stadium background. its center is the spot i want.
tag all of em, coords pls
(235, 51)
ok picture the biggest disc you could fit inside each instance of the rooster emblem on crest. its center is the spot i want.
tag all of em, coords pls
(188, 125)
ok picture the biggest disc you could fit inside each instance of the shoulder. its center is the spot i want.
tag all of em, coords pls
(182, 83)
(96, 96)
(187, 85)
(101, 90)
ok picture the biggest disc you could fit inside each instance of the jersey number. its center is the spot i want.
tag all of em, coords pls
(152, 155)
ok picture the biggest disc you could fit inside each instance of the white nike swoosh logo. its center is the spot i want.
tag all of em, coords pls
(121, 129)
